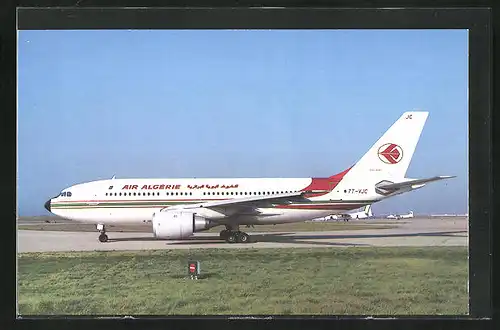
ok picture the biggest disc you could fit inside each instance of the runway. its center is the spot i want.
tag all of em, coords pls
(452, 231)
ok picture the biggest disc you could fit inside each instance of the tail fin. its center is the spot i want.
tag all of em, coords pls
(368, 210)
(389, 158)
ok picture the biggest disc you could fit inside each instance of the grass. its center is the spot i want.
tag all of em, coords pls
(369, 281)
(299, 226)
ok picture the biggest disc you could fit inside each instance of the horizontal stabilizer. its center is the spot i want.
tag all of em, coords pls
(411, 183)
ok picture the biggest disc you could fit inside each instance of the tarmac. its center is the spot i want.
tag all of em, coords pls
(446, 231)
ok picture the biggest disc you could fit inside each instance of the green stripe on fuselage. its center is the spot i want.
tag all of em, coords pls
(132, 204)
(116, 204)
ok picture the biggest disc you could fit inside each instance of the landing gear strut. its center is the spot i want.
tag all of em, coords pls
(234, 236)
(103, 237)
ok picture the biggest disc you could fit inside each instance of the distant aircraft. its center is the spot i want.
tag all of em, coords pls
(401, 216)
(177, 208)
(366, 213)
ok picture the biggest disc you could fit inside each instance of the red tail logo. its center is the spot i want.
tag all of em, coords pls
(390, 153)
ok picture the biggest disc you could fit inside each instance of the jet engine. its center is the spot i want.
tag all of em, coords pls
(176, 224)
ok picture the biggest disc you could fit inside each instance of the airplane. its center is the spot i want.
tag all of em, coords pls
(178, 208)
(401, 216)
(366, 213)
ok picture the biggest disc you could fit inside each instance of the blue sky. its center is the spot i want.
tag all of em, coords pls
(282, 103)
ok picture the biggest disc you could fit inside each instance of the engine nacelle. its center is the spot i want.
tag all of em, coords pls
(177, 224)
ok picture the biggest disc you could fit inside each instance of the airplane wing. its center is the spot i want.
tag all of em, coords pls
(256, 201)
(248, 203)
(411, 183)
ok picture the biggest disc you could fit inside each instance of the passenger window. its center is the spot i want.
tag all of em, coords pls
(119, 194)
(135, 194)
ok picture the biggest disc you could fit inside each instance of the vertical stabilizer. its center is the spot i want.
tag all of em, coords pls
(389, 158)
(368, 210)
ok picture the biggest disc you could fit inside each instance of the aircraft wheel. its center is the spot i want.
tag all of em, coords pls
(103, 238)
(243, 237)
(232, 237)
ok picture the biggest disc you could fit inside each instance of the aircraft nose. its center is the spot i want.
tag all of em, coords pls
(47, 205)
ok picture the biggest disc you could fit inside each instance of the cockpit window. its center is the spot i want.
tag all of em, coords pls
(66, 194)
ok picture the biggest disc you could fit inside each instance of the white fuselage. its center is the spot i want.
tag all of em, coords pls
(133, 201)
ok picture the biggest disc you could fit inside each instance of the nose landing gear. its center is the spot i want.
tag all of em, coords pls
(102, 237)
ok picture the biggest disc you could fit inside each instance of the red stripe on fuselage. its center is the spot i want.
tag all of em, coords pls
(137, 200)
(325, 184)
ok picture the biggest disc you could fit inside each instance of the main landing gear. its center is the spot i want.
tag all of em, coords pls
(234, 236)
(103, 237)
